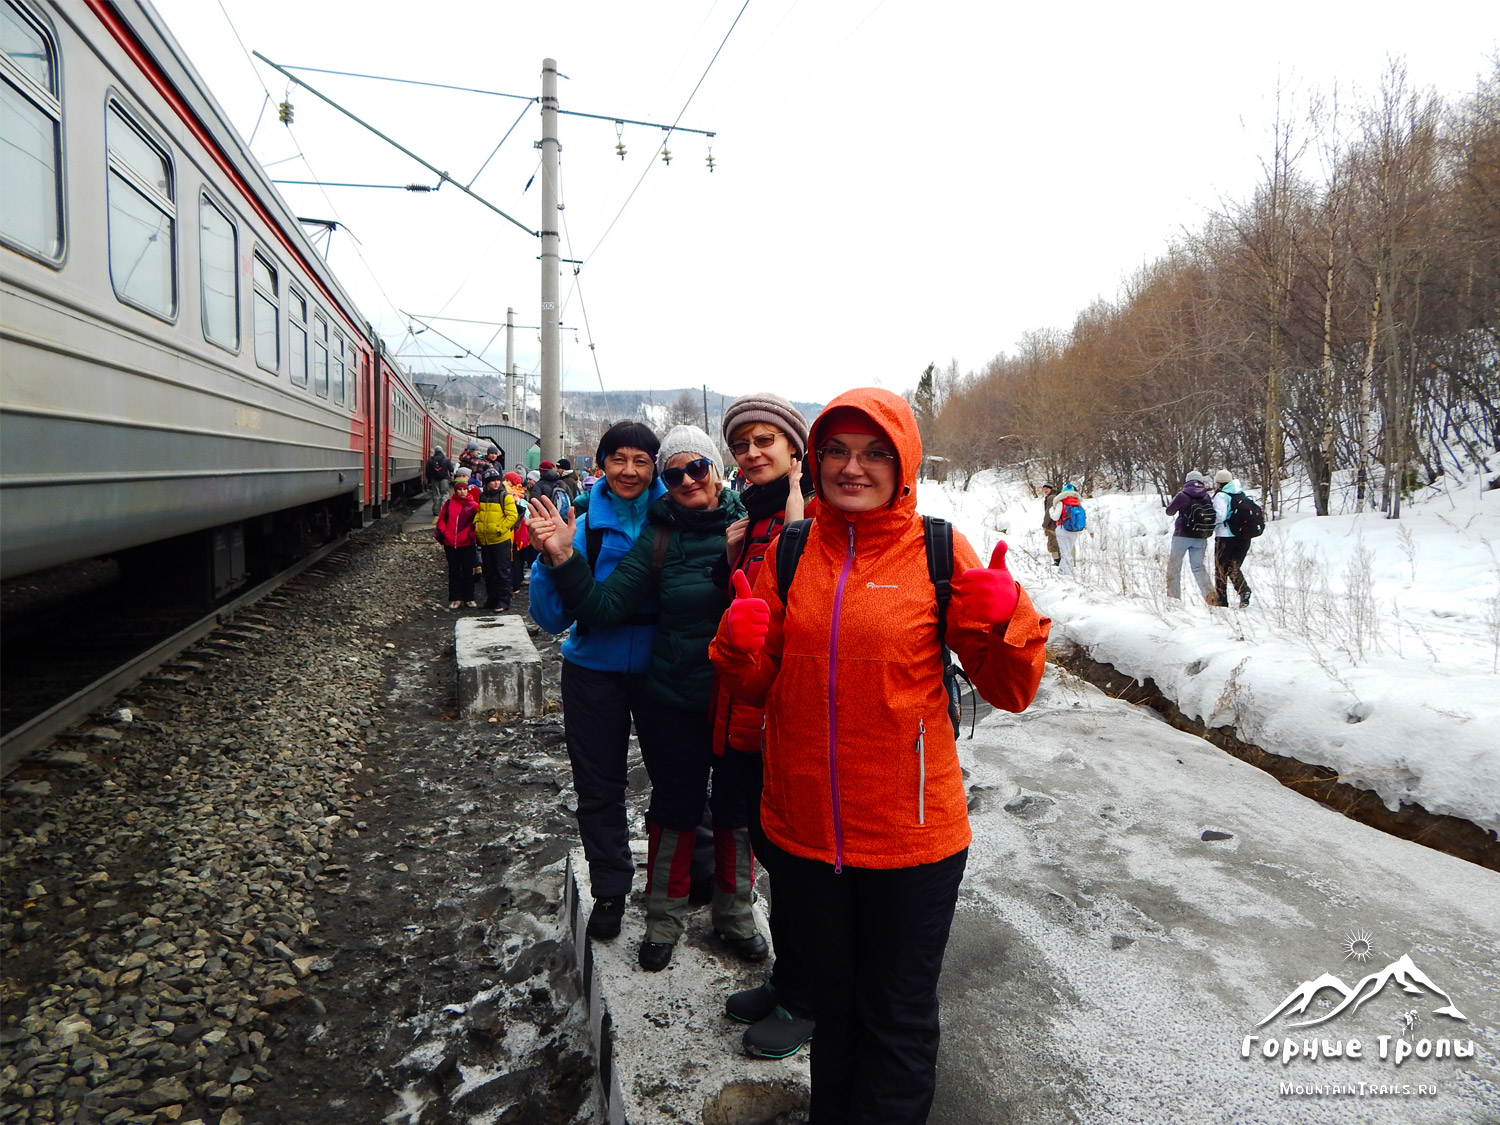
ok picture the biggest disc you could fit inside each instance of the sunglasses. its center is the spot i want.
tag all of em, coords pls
(698, 470)
(762, 441)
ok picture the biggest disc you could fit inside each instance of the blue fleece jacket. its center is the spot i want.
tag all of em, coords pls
(617, 648)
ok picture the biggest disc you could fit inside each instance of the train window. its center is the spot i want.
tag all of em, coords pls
(30, 136)
(267, 315)
(142, 218)
(320, 356)
(336, 381)
(297, 323)
(218, 275)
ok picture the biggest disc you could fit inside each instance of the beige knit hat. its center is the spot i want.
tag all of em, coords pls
(773, 410)
(1223, 476)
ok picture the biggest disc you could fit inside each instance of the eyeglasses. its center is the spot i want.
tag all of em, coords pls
(869, 458)
(698, 470)
(762, 441)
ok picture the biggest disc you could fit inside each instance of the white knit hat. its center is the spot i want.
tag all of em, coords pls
(686, 439)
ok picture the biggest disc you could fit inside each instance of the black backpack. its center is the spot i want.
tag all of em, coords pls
(1246, 518)
(937, 534)
(1199, 518)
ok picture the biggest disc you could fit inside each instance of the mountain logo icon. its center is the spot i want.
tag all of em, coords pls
(1402, 972)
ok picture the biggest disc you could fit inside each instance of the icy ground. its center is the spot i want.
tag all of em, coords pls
(1371, 646)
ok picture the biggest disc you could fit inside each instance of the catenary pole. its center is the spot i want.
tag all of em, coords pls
(510, 370)
(550, 426)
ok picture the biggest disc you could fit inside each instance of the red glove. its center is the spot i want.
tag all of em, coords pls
(748, 619)
(988, 595)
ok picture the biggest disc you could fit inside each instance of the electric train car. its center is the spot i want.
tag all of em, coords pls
(181, 376)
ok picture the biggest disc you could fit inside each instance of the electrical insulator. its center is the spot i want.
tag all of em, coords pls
(666, 156)
(620, 149)
(284, 111)
(710, 162)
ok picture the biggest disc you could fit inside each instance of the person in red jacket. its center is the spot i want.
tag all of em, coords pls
(864, 807)
(767, 436)
(455, 531)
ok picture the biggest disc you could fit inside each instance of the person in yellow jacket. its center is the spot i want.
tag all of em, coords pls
(495, 527)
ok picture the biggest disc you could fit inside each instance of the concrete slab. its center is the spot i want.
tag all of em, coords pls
(499, 669)
(666, 1051)
(419, 521)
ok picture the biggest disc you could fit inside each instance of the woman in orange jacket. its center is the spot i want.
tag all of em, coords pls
(864, 807)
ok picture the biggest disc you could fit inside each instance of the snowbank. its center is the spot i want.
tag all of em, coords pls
(1370, 648)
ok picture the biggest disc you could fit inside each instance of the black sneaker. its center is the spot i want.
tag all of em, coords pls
(604, 920)
(1244, 601)
(777, 1036)
(655, 955)
(752, 948)
(752, 1005)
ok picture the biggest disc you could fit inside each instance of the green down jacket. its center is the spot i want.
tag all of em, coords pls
(690, 587)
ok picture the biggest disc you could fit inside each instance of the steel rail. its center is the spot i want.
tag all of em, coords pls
(37, 731)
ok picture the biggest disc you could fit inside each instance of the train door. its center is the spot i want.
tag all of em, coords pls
(377, 422)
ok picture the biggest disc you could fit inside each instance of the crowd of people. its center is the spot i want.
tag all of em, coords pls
(778, 636)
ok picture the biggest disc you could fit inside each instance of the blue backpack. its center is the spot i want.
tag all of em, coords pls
(1074, 518)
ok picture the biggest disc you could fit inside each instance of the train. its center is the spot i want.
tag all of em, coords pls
(185, 386)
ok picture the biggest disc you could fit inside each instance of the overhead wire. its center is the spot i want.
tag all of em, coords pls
(667, 133)
(577, 287)
(308, 163)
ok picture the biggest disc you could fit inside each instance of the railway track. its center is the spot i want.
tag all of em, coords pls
(168, 633)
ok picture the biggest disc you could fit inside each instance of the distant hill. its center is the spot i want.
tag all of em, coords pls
(658, 405)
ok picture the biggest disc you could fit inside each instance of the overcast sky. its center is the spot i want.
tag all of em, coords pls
(897, 182)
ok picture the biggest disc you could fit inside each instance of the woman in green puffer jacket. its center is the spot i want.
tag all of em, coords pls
(681, 558)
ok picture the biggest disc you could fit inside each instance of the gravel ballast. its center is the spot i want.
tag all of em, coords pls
(281, 881)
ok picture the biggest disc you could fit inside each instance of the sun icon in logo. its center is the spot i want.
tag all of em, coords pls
(1357, 945)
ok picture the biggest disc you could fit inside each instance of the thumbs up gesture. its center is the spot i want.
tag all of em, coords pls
(748, 619)
(988, 594)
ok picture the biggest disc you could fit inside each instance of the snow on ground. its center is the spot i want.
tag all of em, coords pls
(1372, 646)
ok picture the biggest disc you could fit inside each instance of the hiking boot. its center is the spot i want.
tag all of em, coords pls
(1213, 599)
(655, 955)
(604, 919)
(752, 1005)
(752, 948)
(777, 1036)
(1244, 600)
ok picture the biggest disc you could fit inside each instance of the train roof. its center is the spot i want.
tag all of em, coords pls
(165, 61)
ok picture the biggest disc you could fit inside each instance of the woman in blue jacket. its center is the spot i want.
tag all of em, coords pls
(604, 669)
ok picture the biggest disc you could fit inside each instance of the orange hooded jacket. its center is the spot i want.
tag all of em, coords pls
(860, 761)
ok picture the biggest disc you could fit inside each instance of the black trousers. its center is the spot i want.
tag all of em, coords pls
(1229, 557)
(461, 562)
(597, 710)
(520, 565)
(496, 562)
(677, 746)
(874, 943)
(789, 970)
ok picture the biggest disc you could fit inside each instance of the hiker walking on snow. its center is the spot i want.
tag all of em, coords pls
(1049, 525)
(1068, 524)
(1229, 549)
(1190, 534)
